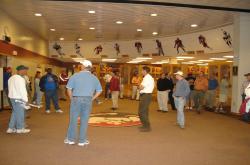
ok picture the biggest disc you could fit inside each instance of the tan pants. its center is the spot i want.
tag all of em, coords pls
(135, 92)
(62, 91)
(162, 98)
(115, 95)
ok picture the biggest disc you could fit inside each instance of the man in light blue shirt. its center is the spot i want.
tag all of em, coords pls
(82, 88)
(180, 94)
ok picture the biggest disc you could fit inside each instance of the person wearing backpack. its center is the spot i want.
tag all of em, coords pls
(49, 85)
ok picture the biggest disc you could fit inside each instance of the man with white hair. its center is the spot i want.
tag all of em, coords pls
(181, 93)
(82, 88)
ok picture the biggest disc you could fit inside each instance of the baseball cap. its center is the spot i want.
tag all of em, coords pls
(179, 73)
(248, 74)
(21, 67)
(86, 63)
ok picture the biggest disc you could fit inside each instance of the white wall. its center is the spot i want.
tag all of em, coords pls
(22, 36)
(214, 39)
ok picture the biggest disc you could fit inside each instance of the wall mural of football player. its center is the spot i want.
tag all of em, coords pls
(159, 47)
(78, 49)
(58, 49)
(203, 42)
(178, 44)
(138, 46)
(227, 38)
(117, 48)
(98, 49)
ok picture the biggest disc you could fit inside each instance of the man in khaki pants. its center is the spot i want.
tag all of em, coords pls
(115, 88)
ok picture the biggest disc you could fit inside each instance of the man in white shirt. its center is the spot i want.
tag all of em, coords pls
(18, 97)
(146, 88)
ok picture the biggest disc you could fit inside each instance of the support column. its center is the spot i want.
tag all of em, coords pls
(241, 44)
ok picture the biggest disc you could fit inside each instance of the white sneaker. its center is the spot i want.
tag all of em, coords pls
(10, 130)
(59, 111)
(23, 130)
(66, 141)
(47, 111)
(83, 144)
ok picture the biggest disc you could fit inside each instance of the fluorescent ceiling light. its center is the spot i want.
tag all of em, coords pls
(184, 57)
(205, 64)
(91, 11)
(61, 38)
(143, 58)
(205, 60)
(139, 30)
(154, 33)
(109, 59)
(229, 61)
(187, 63)
(133, 62)
(52, 29)
(78, 59)
(228, 56)
(180, 59)
(38, 14)
(196, 62)
(153, 14)
(194, 25)
(119, 22)
(92, 28)
(219, 59)
(80, 39)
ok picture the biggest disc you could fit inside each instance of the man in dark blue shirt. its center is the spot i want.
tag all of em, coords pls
(211, 92)
(6, 75)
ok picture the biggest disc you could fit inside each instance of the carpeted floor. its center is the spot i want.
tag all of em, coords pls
(209, 139)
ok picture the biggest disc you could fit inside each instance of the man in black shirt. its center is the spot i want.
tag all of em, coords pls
(170, 94)
(164, 86)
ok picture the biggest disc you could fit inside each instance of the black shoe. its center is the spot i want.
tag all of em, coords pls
(164, 111)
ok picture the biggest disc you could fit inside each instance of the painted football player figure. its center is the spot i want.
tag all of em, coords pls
(78, 50)
(138, 46)
(178, 44)
(98, 49)
(117, 48)
(203, 42)
(58, 49)
(227, 38)
(159, 47)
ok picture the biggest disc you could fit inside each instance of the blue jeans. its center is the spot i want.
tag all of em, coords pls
(17, 115)
(51, 94)
(179, 104)
(80, 106)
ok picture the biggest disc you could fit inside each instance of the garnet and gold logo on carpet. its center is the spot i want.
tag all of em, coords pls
(114, 119)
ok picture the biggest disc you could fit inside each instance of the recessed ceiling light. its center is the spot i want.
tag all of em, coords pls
(229, 61)
(184, 57)
(80, 39)
(153, 14)
(154, 33)
(194, 25)
(119, 22)
(92, 28)
(180, 59)
(91, 11)
(219, 59)
(78, 59)
(52, 29)
(38, 14)
(61, 38)
(228, 56)
(196, 62)
(139, 30)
